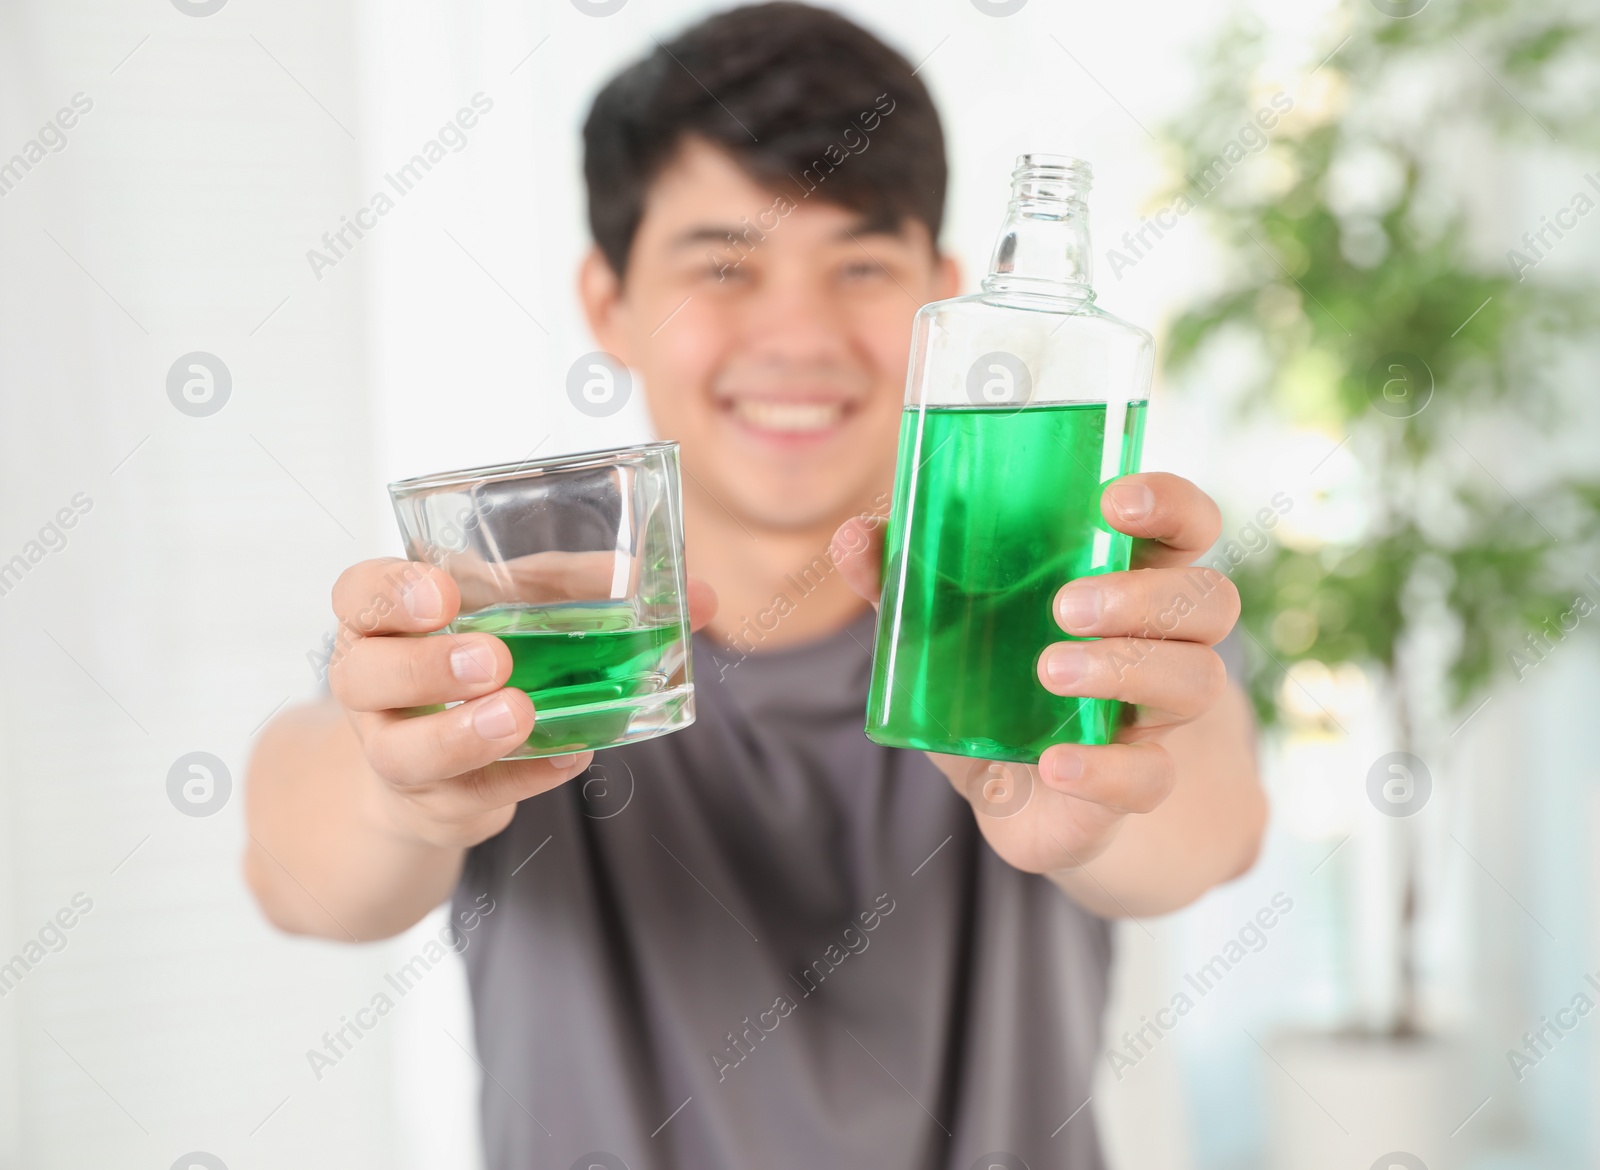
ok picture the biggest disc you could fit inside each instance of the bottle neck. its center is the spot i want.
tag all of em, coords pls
(1043, 248)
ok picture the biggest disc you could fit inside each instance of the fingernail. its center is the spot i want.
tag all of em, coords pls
(1080, 606)
(472, 663)
(1066, 768)
(494, 719)
(1066, 664)
(1133, 500)
(423, 600)
(562, 762)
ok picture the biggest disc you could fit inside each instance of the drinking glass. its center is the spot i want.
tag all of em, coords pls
(576, 564)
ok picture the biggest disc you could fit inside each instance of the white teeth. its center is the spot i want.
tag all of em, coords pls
(788, 416)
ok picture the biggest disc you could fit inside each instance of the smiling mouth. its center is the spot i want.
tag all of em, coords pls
(787, 417)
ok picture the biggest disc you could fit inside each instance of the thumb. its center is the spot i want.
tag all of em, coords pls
(857, 549)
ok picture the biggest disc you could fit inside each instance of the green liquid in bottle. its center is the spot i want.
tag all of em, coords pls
(589, 667)
(994, 511)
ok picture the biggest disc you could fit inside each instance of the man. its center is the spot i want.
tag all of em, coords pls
(791, 946)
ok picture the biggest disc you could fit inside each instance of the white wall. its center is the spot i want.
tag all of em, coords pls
(178, 615)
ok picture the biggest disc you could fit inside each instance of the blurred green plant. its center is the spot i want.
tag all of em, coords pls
(1357, 276)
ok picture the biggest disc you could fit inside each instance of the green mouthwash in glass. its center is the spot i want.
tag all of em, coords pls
(581, 663)
(1022, 402)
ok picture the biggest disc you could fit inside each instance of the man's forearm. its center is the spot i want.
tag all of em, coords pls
(321, 858)
(1206, 832)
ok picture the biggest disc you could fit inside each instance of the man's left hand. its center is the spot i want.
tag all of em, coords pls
(1154, 628)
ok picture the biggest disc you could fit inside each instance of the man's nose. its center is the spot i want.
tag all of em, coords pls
(795, 320)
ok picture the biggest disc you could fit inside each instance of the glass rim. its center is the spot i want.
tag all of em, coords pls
(496, 472)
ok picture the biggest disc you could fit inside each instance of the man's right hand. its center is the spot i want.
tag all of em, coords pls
(361, 809)
(441, 779)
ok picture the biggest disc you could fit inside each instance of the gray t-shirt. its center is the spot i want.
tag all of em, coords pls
(766, 942)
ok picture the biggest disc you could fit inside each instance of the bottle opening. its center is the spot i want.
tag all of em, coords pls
(1043, 178)
(1061, 165)
(1043, 247)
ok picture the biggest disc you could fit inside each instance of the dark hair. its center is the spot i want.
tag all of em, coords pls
(805, 101)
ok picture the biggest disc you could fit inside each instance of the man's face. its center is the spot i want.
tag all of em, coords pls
(778, 362)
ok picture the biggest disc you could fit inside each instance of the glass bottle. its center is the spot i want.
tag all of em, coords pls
(1022, 402)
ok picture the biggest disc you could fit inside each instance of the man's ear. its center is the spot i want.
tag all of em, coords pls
(600, 291)
(946, 277)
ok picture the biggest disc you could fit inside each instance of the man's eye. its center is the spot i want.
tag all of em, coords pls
(728, 272)
(863, 270)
